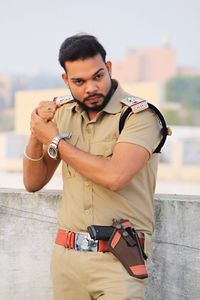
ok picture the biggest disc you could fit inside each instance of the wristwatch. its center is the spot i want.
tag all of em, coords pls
(53, 146)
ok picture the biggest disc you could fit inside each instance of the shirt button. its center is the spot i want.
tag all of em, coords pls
(88, 211)
(88, 130)
(87, 183)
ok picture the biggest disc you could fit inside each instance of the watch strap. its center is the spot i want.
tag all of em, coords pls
(57, 138)
(54, 144)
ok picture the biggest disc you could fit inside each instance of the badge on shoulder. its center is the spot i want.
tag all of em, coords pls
(59, 101)
(136, 104)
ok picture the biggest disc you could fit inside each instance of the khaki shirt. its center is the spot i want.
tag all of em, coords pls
(85, 203)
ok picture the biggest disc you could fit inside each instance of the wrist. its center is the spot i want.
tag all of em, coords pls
(33, 141)
(34, 157)
(53, 146)
(34, 149)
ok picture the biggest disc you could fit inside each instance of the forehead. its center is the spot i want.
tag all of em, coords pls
(84, 67)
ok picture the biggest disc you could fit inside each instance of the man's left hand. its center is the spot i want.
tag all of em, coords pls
(44, 131)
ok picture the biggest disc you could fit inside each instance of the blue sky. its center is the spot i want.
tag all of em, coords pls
(32, 31)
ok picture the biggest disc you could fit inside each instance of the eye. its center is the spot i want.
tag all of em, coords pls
(78, 82)
(99, 76)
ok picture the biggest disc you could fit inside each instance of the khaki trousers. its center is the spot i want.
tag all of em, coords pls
(92, 275)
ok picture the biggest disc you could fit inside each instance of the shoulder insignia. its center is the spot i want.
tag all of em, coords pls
(59, 101)
(136, 104)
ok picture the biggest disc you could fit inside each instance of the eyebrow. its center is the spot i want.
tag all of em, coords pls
(79, 78)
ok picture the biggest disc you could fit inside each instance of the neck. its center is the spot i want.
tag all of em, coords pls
(92, 114)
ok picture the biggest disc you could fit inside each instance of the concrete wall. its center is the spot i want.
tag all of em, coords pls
(27, 232)
(175, 266)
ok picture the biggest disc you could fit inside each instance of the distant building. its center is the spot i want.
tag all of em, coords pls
(5, 92)
(188, 71)
(154, 65)
(12, 143)
(11, 151)
(26, 101)
(150, 91)
(180, 158)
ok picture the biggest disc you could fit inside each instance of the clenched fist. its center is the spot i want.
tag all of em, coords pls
(46, 110)
(43, 130)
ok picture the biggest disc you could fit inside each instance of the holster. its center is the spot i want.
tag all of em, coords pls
(124, 243)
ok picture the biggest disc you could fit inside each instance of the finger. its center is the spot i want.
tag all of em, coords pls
(47, 105)
(34, 112)
(46, 112)
(35, 116)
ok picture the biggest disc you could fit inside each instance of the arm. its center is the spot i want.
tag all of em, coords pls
(37, 173)
(134, 147)
(112, 173)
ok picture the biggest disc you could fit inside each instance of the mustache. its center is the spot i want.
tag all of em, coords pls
(93, 95)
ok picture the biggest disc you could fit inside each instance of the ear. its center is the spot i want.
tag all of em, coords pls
(65, 78)
(109, 66)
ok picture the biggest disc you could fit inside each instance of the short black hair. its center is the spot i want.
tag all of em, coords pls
(80, 46)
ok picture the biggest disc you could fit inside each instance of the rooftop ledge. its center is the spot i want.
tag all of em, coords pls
(28, 227)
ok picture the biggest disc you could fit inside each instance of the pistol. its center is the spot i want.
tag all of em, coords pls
(98, 232)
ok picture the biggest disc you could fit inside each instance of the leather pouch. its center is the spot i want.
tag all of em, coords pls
(125, 245)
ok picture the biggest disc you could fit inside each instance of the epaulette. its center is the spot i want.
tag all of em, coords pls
(59, 101)
(136, 104)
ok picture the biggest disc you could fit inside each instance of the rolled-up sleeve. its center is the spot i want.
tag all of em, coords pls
(143, 129)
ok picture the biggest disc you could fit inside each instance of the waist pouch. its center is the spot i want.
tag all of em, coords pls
(124, 243)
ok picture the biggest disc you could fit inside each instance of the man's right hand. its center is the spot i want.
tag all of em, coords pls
(46, 110)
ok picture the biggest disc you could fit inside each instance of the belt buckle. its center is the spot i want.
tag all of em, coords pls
(83, 242)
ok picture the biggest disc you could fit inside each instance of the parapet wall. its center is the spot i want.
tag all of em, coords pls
(27, 233)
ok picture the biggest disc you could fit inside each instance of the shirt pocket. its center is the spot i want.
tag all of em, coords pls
(103, 148)
(67, 170)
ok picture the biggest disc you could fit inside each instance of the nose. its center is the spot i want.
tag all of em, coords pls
(91, 87)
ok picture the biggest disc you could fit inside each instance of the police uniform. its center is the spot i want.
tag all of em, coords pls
(97, 275)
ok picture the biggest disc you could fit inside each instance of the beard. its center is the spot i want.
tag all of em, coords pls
(106, 99)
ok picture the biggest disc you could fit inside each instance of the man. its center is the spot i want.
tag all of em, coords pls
(106, 174)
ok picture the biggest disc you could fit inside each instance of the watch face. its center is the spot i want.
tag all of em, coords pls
(52, 151)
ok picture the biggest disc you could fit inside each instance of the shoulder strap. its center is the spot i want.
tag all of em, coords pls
(164, 130)
(59, 101)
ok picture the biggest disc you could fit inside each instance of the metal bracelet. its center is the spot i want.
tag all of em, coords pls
(32, 159)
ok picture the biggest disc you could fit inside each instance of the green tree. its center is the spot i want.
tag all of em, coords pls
(184, 90)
